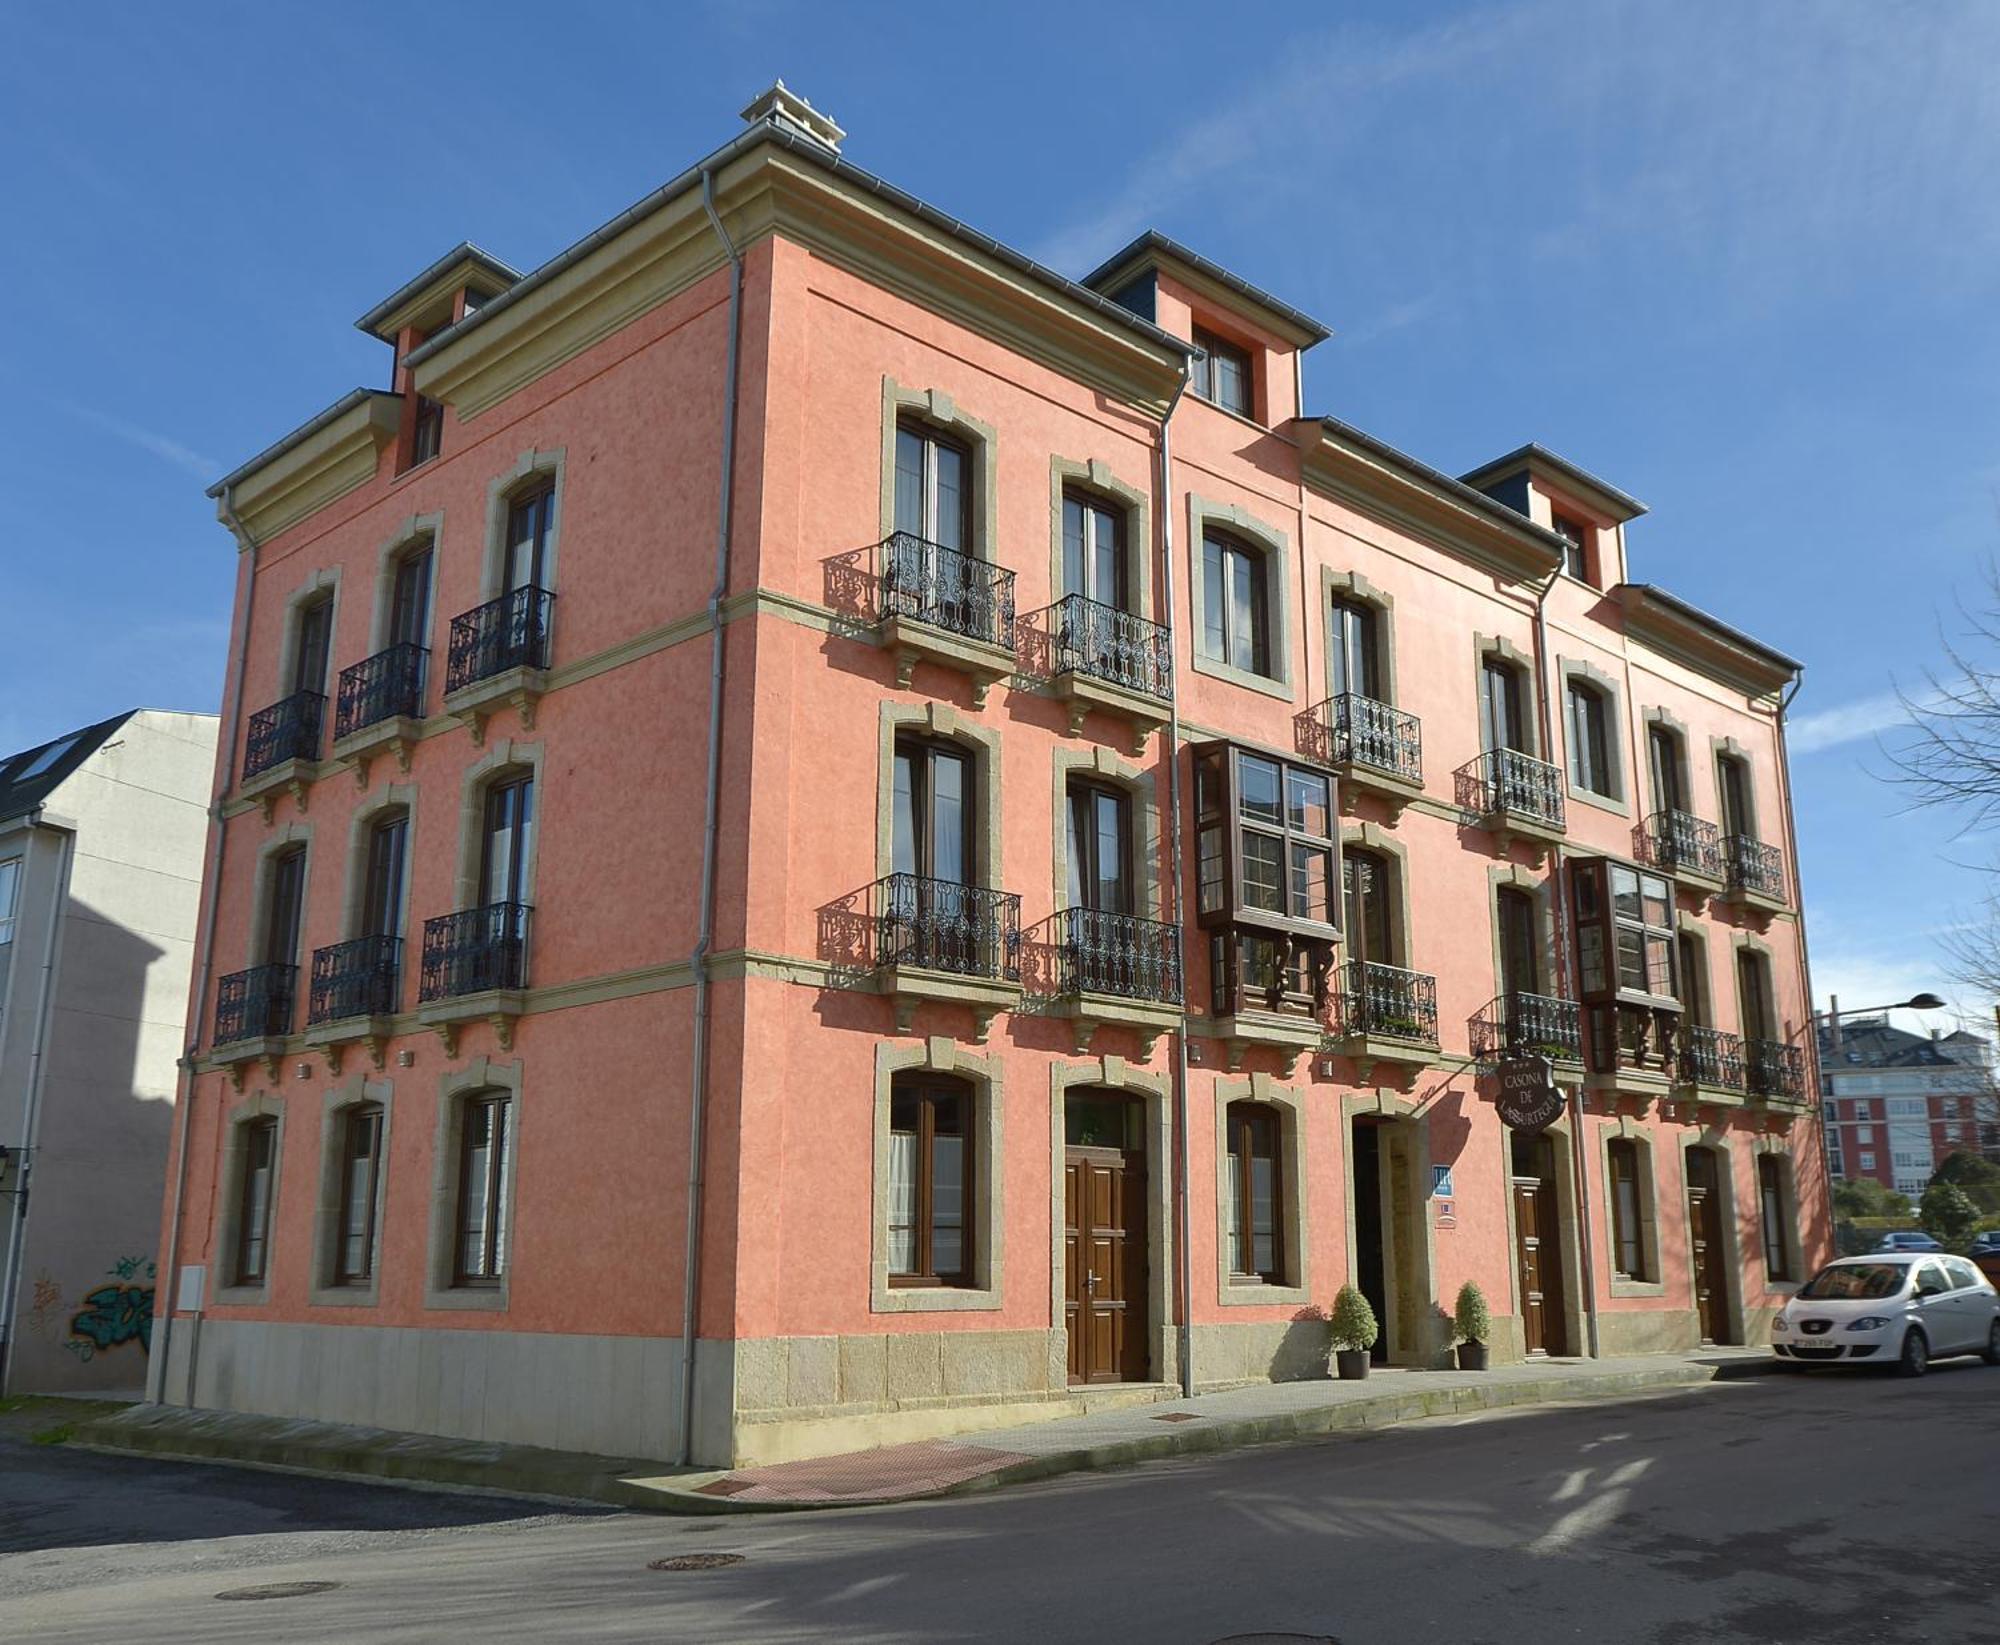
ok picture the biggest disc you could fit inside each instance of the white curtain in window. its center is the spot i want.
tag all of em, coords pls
(902, 1202)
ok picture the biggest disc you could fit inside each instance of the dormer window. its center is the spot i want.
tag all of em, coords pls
(427, 431)
(1573, 533)
(1221, 372)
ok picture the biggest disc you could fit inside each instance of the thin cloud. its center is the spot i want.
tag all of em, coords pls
(168, 450)
(1847, 723)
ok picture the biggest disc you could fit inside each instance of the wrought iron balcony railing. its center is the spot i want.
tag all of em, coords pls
(1124, 955)
(928, 583)
(1708, 1056)
(1089, 637)
(1625, 1036)
(1753, 866)
(355, 979)
(1680, 842)
(1527, 1025)
(287, 730)
(1352, 730)
(510, 632)
(380, 688)
(1774, 1069)
(1506, 784)
(255, 1004)
(941, 925)
(1387, 1002)
(474, 951)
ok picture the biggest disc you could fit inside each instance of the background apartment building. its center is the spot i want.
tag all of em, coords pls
(1897, 1103)
(1050, 829)
(101, 837)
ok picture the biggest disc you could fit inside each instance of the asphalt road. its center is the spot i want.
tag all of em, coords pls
(1842, 1510)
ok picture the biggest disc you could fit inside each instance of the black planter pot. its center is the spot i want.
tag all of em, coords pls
(1351, 1363)
(1472, 1356)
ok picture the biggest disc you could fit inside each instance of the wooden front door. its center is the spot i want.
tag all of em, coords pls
(1104, 1261)
(1534, 1258)
(1704, 1223)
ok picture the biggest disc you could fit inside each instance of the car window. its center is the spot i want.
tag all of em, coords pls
(1932, 1275)
(1963, 1274)
(1855, 1282)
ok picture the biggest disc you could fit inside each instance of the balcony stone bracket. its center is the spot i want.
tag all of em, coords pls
(1290, 1037)
(237, 1056)
(1761, 906)
(331, 1039)
(1087, 1013)
(1394, 792)
(1509, 831)
(1080, 693)
(497, 1006)
(517, 688)
(293, 776)
(909, 987)
(1380, 1060)
(914, 642)
(396, 735)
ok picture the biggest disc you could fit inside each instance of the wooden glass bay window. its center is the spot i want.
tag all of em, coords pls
(1625, 963)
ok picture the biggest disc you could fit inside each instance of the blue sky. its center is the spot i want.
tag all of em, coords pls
(1740, 259)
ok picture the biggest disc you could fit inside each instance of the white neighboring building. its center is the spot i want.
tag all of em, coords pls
(102, 835)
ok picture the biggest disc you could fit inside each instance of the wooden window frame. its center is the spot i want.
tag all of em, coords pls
(1386, 867)
(521, 827)
(1504, 897)
(382, 881)
(1591, 765)
(284, 905)
(927, 1090)
(1576, 536)
(921, 749)
(410, 595)
(1624, 1162)
(255, 1231)
(312, 633)
(491, 1272)
(1503, 689)
(1754, 1004)
(1242, 1122)
(1209, 348)
(1773, 1221)
(1739, 817)
(364, 1118)
(1665, 755)
(933, 437)
(1594, 900)
(1094, 506)
(1354, 649)
(1220, 805)
(1219, 603)
(538, 500)
(1080, 801)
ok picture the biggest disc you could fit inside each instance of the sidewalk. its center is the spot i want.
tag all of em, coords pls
(1254, 1415)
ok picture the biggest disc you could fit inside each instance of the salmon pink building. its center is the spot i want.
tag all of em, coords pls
(825, 835)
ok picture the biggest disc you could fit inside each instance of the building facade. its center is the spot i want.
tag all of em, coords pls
(101, 836)
(802, 773)
(1897, 1103)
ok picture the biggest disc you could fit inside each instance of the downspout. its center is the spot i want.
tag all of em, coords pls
(169, 1267)
(711, 803)
(1175, 853)
(1785, 701)
(37, 1066)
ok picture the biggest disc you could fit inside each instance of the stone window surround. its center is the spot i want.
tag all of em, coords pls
(503, 756)
(1618, 801)
(228, 1293)
(414, 532)
(1719, 749)
(1234, 1290)
(454, 1086)
(1739, 940)
(323, 583)
(1659, 717)
(1539, 887)
(1352, 586)
(1732, 1258)
(1625, 1129)
(1788, 1197)
(1372, 836)
(936, 407)
(289, 834)
(337, 1102)
(527, 472)
(1485, 646)
(1101, 765)
(983, 743)
(1275, 546)
(1096, 478)
(394, 797)
(986, 1224)
(1116, 1076)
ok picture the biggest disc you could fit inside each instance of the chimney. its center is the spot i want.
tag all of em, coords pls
(788, 111)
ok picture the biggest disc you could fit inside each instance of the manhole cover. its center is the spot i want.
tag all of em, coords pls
(1175, 1416)
(1278, 1639)
(694, 1562)
(277, 1590)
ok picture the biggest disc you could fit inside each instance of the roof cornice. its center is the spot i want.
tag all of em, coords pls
(1223, 288)
(317, 463)
(1668, 624)
(1545, 465)
(464, 265)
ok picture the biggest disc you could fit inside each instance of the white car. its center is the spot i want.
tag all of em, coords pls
(1903, 1308)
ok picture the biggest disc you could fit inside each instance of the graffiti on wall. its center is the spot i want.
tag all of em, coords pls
(113, 1315)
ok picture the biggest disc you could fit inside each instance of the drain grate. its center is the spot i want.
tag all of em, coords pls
(277, 1590)
(1176, 1416)
(694, 1562)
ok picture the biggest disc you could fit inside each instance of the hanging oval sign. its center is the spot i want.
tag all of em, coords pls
(1529, 1100)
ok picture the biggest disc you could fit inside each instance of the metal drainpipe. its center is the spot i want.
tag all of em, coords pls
(205, 944)
(698, 1086)
(1176, 848)
(37, 1065)
(1559, 902)
(1805, 961)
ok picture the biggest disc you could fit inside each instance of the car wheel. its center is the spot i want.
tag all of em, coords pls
(1915, 1359)
(1993, 1344)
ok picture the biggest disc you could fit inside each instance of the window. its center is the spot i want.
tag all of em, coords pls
(1625, 935)
(382, 884)
(530, 520)
(1100, 858)
(1771, 1210)
(10, 885)
(1366, 888)
(930, 1181)
(1865, 1134)
(1252, 1192)
(1753, 994)
(46, 759)
(1693, 977)
(1663, 751)
(1590, 740)
(933, 486)
(1236, 620)
(427, 431)
(509, 836)
(314, 634)
(1949, 1106)
(1352, 658)
(1575, 534)
(481, 1250)
(259, 1143)
(1732, 782)
(1628, 1245)
(1520, 944)
(410, 598)
(1221, 373)
(1905, 1108)
(283, 912)
(1501, 721)
(932, 811)
(1867, 1162)
(360, 1166)
(1093, 549)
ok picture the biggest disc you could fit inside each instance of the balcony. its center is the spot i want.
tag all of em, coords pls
(475, 965)
(281, 749)
(1520, 1024)
(355, 989)
(1513, 796)
(1710, 1061)
(1121, 969)
(1384, 1016)
(1753, 873)
(942, 941)
(1633, 1049)
(379, 705)
(1105, 658)
(1774, 1070)
(499, 654)
(1682, 845)
(253, 1014)
(940, 606)
(1376, 749)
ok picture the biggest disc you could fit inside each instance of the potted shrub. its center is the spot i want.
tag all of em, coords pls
(1473, 1325)
(1354, 1331)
